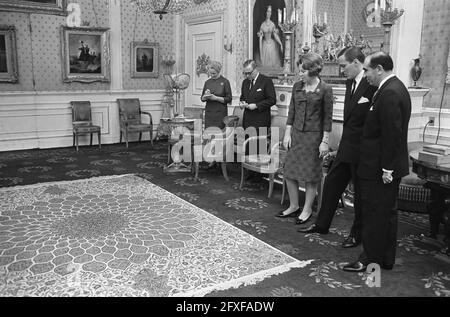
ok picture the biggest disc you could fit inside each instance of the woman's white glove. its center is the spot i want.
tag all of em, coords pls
(323, 149)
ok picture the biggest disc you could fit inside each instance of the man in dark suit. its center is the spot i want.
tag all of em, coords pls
(257, 96)
(383, 162)
(357, 102)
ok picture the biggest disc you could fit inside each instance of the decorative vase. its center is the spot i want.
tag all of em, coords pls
(416, 71)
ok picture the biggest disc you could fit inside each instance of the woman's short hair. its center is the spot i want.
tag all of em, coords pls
(311, 62)
(217, 66)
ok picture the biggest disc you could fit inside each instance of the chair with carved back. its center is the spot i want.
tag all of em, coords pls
(198, 114)
(82, 122)
(219, 147)
(269, 162)
(130, 117)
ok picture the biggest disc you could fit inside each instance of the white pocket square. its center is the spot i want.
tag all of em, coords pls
(259, 89)
(363, 100)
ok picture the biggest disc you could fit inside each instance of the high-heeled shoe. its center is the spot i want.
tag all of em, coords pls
(292, 214)
(301, 221)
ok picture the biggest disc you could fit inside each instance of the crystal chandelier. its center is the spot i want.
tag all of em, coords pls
(162, 7)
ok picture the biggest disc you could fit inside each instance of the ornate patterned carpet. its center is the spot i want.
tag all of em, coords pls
(49, 235)
(122, 236)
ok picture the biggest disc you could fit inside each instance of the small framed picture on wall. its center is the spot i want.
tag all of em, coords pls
(35, 6)
(85, 54)
(8, 55)
(144, 59)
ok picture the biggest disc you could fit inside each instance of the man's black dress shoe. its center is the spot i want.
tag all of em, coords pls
(301, 222)
(292, 214)
(313, 229)
(387, 267)
(355, 267)
(351, 242)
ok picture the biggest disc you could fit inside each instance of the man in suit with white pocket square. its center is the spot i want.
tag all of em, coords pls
(383, 162)
(357, 102)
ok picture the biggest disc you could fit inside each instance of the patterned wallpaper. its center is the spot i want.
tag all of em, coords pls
(242, 47)
(335, 10)
(39, 52)
(359, 26)
(137, 26)
(434, 51)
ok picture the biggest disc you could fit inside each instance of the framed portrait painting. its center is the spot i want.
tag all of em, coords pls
(85, 54)
(35, 6)
(8, 55)
(265, 36)
(144, 59)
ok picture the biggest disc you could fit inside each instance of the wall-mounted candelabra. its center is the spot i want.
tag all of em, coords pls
(168, 61)
(388, 17)
(228, 44)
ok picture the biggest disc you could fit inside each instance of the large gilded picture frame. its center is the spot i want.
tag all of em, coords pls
(35, 6)
(8, 55)
(144, 59)
(85, 54)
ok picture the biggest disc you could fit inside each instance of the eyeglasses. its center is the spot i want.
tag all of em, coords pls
(248, 73)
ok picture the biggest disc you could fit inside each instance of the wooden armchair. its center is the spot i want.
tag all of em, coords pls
(131, 121)
(266, 163)
(82, 122)
(219, 148)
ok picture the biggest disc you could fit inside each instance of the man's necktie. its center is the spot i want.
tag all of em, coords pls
(251, 84)
(353, 87)
(375, 94)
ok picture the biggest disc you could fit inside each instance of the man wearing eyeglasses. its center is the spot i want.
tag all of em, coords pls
(257, 97)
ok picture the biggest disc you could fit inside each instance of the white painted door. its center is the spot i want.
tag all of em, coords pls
(202, 39)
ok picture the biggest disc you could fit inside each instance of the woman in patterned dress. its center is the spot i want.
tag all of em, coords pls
(307, 133)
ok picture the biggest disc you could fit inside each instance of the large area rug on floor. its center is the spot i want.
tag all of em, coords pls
(122, 236)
